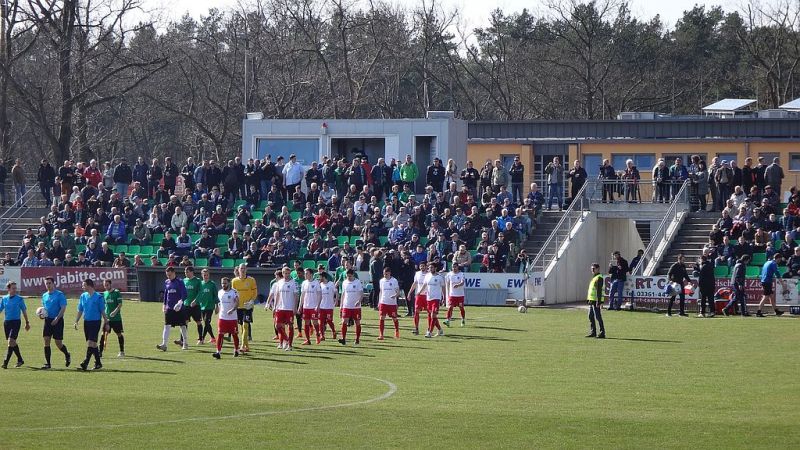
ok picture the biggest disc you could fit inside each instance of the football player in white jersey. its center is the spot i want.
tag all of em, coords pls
(434, 289)
(286, 306)
(420, 301)
(228, 320)
(327, 302)
(387, 302)
(454, 284)
(309, 299)
(352, 291)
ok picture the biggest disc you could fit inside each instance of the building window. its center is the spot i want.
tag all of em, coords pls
(306, 150)
(794, 161)
(729, 157)
(643, 162)
(592, 164)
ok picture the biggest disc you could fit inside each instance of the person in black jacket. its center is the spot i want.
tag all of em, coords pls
(704, 271)
(678, 274)
(123, 177)
(46, 178)
(737, 283)
(188, 174)
(170, 175)
(470, 177)
(376, 265)
(435, 175)
(154, 176)
(517, 172)
(617, 271)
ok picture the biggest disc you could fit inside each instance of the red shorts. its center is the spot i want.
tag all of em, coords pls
(421, 302)
(433, 305)
(284, 317)
(227, 326)
(354, 313)
(389, 310)
(456, 301)
(309, 314)
(325, 314)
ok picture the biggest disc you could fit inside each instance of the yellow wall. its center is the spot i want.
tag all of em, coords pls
(479, 153)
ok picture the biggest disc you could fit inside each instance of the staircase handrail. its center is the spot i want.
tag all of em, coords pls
(579, 200)
(681, 198)
(18, 209)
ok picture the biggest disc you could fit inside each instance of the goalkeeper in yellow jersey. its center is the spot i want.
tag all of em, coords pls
(248, 291)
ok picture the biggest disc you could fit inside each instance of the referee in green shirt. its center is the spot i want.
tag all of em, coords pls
(207, 300)
(113, 301)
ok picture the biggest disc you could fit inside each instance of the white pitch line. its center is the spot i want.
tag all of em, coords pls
(392, 390)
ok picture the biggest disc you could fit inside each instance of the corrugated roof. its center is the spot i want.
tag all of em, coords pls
(729, 104)
(793, 105)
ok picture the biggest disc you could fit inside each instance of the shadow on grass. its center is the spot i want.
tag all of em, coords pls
(149, 372)
(468, 337)
(665, 341)
(256, 358)
(150, 358)
(499, 329)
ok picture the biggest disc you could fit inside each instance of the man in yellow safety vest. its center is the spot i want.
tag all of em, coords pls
(595, 298)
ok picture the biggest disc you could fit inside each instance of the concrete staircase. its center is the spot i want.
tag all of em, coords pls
(690, 240)
(15, 226)
(544, 228)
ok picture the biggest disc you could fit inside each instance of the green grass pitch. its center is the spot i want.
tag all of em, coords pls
(506, 380)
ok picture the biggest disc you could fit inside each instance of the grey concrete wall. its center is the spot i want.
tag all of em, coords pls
(594, 240)
(400, 134)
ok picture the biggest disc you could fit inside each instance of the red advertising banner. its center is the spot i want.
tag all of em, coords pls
(69, 279)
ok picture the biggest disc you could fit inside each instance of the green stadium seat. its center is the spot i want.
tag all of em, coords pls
(146, 250)
(354, 240)
(309, 264)
(310, 227)
(258, 215)
(80, 248)
(341, 240)
(163, 261)
(777, 244)
(121, 248)
(758, 259)
(201, 262)
(475, 267)
(294, 215)
(721, 271)
(222, 239)
(383, 240)
(238, 204)
(240, 261)
(262, 205)
(423, 240)
(134, 249)
(228, 263)
(147, 262)
(783, 269)
(323, 263)
(753, 271)
(156, 239)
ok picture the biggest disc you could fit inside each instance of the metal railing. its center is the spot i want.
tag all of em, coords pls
(564, 226)
(632, 191)
(679, 205)
(18, 209)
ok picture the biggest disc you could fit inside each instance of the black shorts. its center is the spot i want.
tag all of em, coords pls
(767, 288)
(244, 316)
(91, 329)
(54, 331)
(115, 326)
(208, 314)
(192, 313)
(174, 318)
(11, 328)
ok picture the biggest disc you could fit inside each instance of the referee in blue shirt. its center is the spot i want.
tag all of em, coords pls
(14, 306)
(55, 304)
(92, 306)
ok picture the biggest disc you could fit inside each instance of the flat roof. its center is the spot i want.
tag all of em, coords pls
(729, 105)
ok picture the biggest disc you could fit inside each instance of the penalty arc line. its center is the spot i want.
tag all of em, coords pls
(390, 392)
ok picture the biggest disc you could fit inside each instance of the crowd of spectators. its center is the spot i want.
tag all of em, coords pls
(269, 213)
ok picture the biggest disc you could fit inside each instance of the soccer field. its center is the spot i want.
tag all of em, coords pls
(506, 380)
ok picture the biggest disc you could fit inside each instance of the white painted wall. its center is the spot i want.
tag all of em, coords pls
(594, 240)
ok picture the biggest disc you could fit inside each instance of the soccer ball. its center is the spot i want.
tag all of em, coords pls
(41, 312)
(522, 308)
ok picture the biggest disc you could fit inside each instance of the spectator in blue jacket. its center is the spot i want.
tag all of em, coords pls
(116, 233)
